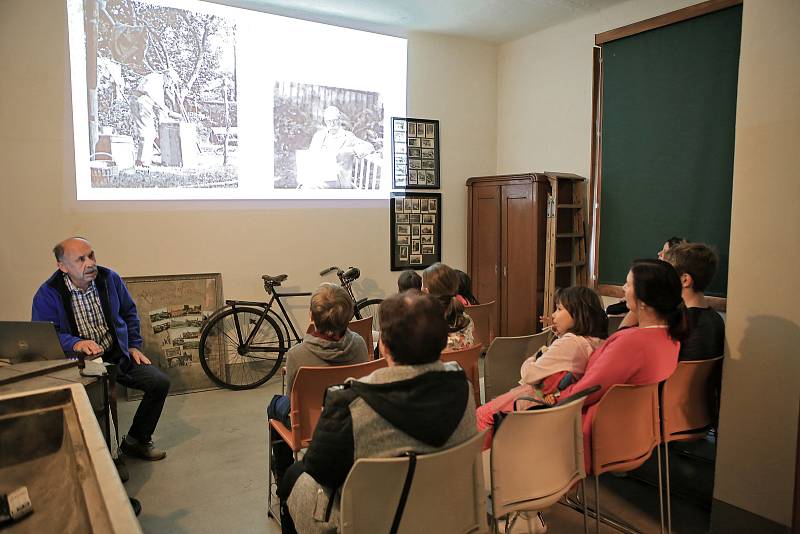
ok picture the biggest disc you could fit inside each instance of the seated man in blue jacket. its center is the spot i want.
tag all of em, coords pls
(94, 314)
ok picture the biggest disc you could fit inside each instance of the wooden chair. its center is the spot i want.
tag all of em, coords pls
(445, 493)
(308, 392)
(688, 407)
(483, 322)
(504, 359)
(363, 327)
(367, 172)
(468, 360)
(625, 430)
(529, 473)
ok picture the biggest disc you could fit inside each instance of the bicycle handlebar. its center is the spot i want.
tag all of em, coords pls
(350, 275)
(328, 270)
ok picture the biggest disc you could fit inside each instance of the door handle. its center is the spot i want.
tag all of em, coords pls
(505, 271)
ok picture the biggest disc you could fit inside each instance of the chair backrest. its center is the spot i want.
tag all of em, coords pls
(446, 494)
(504, 359)
(309, 389)
(483, 322)
(536, 457)
(613, 323)
(687, 400)
(625, 428)
(468, 360)
(363, 327)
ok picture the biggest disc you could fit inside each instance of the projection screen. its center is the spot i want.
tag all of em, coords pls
(194, 100)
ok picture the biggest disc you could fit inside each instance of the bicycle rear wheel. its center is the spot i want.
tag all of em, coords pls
(232, 364)
(369, 308)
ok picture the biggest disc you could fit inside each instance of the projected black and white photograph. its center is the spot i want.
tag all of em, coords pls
(415, 167)
(424, 239)
(327, 137)
(161, 92)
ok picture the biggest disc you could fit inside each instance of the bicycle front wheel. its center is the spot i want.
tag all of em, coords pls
(369, 308)
(240, 349)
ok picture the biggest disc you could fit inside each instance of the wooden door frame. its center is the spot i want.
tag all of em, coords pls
(595, 177)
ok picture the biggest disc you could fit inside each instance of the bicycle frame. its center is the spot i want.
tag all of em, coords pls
(285, 320)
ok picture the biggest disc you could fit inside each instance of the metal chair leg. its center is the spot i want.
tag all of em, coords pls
(597, 501)
(668, 496)
(270, 512)
(660, 489)
(585, 508)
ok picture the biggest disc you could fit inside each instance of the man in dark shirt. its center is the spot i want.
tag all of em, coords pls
(696, 264)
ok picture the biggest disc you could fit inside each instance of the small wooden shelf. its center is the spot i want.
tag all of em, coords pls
(570, 234)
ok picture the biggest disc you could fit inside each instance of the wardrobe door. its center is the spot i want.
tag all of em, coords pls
(518, 252)
(485, 245)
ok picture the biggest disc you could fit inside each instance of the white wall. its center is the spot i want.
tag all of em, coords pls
(544, 123)
(452, 80)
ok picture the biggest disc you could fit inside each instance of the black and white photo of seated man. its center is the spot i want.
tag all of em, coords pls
(333, 150)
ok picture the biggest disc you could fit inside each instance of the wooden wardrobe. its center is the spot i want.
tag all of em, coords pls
(506, 229)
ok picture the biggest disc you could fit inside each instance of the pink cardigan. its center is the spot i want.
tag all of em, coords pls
(637, 356)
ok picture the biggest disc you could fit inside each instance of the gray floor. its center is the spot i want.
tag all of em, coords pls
(213, 479)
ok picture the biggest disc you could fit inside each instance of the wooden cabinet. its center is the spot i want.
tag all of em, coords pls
(506, 225)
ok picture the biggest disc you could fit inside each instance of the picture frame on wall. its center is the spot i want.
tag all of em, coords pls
(172, 311)
(415, 153)
(415, 220)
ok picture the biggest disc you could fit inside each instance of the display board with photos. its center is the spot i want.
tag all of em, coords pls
(415, 153)
(416, 226)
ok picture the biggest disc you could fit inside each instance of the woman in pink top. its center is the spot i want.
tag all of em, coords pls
(646, 354)
(581, 325)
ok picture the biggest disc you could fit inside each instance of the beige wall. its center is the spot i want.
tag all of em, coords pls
(240, 239)
(544, 120)
(761, 388)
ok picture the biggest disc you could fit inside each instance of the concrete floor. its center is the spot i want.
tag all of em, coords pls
(214, 477)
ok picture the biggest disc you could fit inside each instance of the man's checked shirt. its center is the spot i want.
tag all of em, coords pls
(88, 314)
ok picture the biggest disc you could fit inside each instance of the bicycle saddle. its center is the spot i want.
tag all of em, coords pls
(274, 280)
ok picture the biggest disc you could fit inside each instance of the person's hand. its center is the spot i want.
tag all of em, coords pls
(88, 347)
(550, 399)
(138, 357)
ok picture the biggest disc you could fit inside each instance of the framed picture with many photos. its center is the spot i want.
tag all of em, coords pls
(415, 153)
(416, 226)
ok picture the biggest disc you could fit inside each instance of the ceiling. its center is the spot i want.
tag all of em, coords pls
(494, 21)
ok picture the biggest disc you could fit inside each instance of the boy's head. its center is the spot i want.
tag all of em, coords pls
(697, 260)
(331, 309)
(413, 327)
(408, 279)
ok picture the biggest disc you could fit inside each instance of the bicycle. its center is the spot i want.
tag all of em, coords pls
(243, 343)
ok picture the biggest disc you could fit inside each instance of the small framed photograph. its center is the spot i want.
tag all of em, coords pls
(419, 146)
(415, 239)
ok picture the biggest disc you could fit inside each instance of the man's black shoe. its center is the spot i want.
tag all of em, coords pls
(136, 505)
(119, 463)
(141, 449)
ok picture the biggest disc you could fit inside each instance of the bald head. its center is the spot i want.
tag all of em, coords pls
(75, 257)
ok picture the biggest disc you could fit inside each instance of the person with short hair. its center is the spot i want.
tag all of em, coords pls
(329, 343)
(441, 282)
(417, 403)
(409, 279)
(94, 314)
(696, 264)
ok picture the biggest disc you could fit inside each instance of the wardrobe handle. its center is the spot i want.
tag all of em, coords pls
(495, 269)
(505, 271)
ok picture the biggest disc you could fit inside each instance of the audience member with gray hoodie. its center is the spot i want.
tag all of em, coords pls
(417, 403)
(329, 343)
